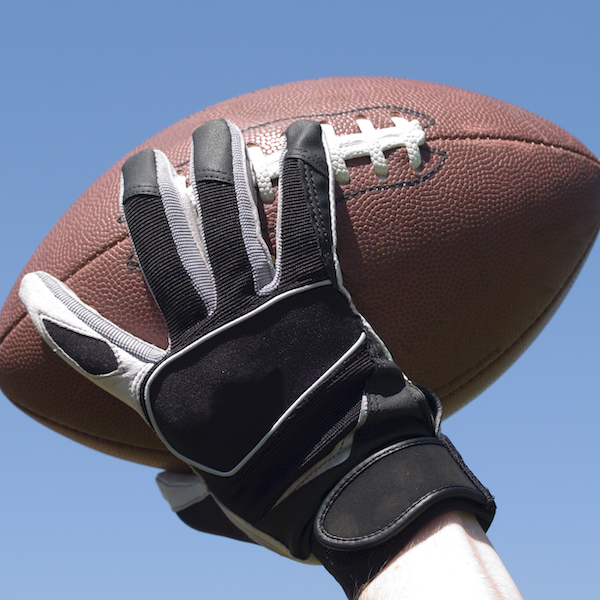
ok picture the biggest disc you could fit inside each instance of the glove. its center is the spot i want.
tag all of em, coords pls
(274, 389)
(193, 503)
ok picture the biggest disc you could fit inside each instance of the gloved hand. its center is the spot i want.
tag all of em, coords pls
(273, 389)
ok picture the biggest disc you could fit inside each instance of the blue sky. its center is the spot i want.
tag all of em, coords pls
(83, 83)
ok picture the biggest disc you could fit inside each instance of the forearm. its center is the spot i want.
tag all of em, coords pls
(449, 558)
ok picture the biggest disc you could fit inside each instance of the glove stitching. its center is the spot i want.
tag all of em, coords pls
(141, 189)
(205, 172)
(314, 207)
(308, 157)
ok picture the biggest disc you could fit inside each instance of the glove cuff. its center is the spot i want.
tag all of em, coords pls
(374, 511)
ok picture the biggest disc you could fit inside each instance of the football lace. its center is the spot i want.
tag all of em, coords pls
(370, 142)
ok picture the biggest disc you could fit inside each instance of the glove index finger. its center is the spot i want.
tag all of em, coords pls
(306, 219)
(170, 255)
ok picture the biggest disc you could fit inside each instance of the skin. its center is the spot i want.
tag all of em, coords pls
(451, 558)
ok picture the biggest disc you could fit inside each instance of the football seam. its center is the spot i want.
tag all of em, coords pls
(82, 265)
(444, 155)
(160, 453)
(560, 296)
(431, 121)
(410, 111)
(591, 157)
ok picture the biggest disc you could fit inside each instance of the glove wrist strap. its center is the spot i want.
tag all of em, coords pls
(374, 511)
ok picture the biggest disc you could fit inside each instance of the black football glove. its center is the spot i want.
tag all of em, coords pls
(274, 389)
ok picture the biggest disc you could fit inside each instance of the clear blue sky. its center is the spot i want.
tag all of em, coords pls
(85, 82)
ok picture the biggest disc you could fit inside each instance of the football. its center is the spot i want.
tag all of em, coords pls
(462, 222)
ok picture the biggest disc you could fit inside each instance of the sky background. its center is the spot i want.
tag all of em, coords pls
(82, 83)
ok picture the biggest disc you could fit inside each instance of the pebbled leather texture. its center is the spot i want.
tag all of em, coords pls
(457, 266)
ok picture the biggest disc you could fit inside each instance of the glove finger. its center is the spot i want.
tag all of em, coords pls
(306, 218)
(154, 202)
(240, 260)
(104, 353)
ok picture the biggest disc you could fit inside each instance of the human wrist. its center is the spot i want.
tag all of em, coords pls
(450, 557)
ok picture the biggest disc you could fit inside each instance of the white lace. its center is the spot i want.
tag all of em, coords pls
(369, 142)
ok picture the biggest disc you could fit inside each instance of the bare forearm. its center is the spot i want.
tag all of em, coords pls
(450, 558)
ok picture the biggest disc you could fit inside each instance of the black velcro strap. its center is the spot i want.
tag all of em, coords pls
(389, 490)
(386, 500)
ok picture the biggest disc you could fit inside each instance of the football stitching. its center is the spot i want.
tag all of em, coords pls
(82, 265)
(369, 142)
(400, 184)
(105, 441)
(429, 120)
(594, 159)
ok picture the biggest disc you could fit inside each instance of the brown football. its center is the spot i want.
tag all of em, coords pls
(457, 244)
